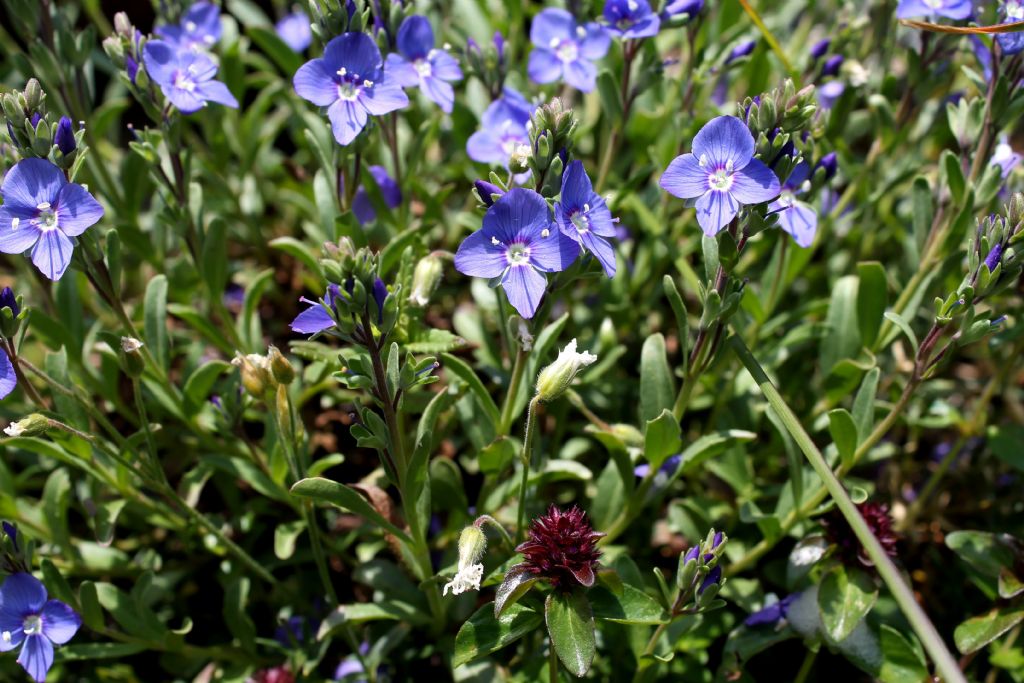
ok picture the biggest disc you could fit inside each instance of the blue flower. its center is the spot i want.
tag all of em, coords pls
(742, 50)
(27, 618)
(351, 82)
(318, 316)
(185, 77)
(666, 470)
(681, 8)
(564, 49)
(819, 49)
(295, 31)
(772, 613)
(419, 64)
(502, 129)
(41, 211)
(631, 18)
(721, 174)
(199, 29)
(389, 189)
(8, 300)
(1013, 42)
(65, 136)
(584, 217)
(797, 218)
(517, 245)
(8, 378)
(951, 9)
(829, 93)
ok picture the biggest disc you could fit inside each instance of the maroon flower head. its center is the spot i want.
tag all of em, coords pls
(562, 548)
(839, 533)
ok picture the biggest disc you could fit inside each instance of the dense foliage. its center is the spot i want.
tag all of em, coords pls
(371, 340)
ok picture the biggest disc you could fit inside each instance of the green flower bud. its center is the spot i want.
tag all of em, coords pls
(33, 95)
(33, 425)
(280, 368)
(425, 279)
(255, 370)
(556, 378)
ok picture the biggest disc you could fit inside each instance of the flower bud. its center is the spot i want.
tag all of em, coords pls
(33, 95)
(819, 49)
(425, 279)
(829, 163)
(486, 192)
(832, 65)
(33, 425)
(556, 378)
(65, 136)
(280, 368)
(740, 51)
(122, 24)
(131, 356)
(255, 371)
(472, 543)
(519, 162)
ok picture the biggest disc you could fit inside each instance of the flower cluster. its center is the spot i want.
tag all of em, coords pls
(561, 548)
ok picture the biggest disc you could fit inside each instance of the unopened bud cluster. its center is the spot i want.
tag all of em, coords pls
(699, 577)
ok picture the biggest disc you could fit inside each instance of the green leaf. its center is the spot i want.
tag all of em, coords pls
(483, 634)
(710, 445)
(904, 327)
(570, 622)
(872, 300)
(987, 552)
(954, 175)
(89, 651)
(333, 493)
(662, 439)
(214, 258)
(463, 371)
(845, 597)
(631, 606)
(200, 383)
(864, 404)
(844, 435)
(517, 583)
(611, 100)
(657, 390)
(285, 58)
(497, 455)
(843, 337)
(156, 319)
(977, 632)
(902, 662)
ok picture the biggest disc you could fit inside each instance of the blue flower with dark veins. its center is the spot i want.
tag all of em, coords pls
(186, 78)
(418, 64)
(29, 620)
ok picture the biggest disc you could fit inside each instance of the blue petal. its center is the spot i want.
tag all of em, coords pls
(347, 120)
(295, 31)
(685, 178)
(551, 26)
(415, 37)
(205, 16)
(8, 380)
(577, 189)
(715, 210)
(755, 183)
(402, 71)
(601, 249)
(60, 622)
(215, 91)
(356, 52)
(596, 42)
(798, 175)
(52, 253)
(581, 75)
(21, 594)
(724, 139)
(76, 209)
(444, 66)
(544, 66)
(312, 320)
(525, 289)
(518, 216)
(36, 657)
(383, 97)
(314, 82)
(15, 241)
(478, 256)
(553, 253)
(440, 92)
(161, 61)
(30, 183)
(800, 221)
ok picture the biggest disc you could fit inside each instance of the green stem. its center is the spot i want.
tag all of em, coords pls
(235, 549)
(508, 407)
(552, 663)
(901, 592)
(531, 428)
(806, 667)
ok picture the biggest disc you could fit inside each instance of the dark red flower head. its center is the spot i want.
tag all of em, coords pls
(562, 548)
(838, 532)
(278, 674)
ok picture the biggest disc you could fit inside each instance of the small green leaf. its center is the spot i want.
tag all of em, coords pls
(872, 300)
(662, 439)
(631, 606)
(904, 326)
(844, 435)
(977, 632)
(483, 634)
(463, 371)
(657, 390)
(845, 598)
(156, 319)
(327, 491)
(954, 175)
(517, 583)
(570, 622)
(843, 337)
(902, 662)
(864, 404)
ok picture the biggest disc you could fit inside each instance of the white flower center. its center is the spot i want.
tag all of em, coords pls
(467, 578)
(423, 67)
(190, 26)
(350, 85)
(46, 219)
(567, 51)
(5, 636)
(721, 179)
(183, 80)
(518, 254)
(581, 220)
(32, 625)
(786, 199)
(1014, 11)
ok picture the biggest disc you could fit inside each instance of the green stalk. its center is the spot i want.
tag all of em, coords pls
(531, 428)
(901, 592)
(508, 407)
(552, 663)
